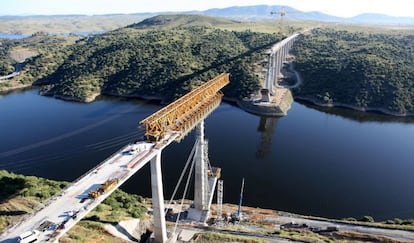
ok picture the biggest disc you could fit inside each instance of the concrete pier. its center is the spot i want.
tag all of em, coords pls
(205, 179)
(200, 195)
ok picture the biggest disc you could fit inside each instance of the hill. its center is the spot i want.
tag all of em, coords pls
(361, 70)
(181, 21)
(160, 63)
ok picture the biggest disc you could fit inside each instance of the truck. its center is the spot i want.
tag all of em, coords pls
(108, 185)
(103, 188)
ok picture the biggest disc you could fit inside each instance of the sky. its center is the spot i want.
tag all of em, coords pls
(341, 8)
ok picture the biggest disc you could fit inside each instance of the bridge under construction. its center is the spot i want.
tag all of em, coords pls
(171, 123)
(274, 100)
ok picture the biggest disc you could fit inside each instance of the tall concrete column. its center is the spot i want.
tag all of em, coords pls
(271, 70)
(200, 192)
(275, 69)
(269, 73)
(278, 66)
(286, 51)
(160, 230)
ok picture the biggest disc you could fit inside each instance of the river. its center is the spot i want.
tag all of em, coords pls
(327, 162)
(12, 36)
(22, 36)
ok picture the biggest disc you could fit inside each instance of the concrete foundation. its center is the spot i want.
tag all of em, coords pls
(279, 105)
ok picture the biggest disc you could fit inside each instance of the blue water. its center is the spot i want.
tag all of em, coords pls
(12, 36)
(334, 163)
(20, 36)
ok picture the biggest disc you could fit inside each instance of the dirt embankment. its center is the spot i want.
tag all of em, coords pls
(21, 54)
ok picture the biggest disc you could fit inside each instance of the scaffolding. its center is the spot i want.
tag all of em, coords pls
(183, 114)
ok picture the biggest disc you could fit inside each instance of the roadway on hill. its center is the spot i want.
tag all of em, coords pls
(17, 69)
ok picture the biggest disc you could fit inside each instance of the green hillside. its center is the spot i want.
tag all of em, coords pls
(365, 70)
(162, 63)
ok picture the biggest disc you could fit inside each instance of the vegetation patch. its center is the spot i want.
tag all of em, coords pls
(87, 231)
(364, 70)
(219, 237)
(303, 236)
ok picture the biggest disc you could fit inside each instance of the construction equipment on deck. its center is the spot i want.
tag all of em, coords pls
(183, 114)
(104, 188)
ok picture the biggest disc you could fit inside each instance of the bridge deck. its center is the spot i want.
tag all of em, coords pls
(121, 165)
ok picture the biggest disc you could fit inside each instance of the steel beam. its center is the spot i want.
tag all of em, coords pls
(172, 117)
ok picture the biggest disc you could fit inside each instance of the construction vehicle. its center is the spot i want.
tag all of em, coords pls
(103, 188)
(93, 194)
(108, 185)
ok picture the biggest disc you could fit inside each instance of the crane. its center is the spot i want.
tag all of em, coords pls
(282, 12)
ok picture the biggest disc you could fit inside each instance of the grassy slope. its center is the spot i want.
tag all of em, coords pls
(21, 194)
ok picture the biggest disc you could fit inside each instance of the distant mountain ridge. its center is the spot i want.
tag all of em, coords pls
(381, 19)
(262, 12)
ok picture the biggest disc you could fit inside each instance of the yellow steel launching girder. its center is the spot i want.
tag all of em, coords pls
(183, 114)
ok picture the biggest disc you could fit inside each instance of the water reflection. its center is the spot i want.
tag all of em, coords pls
(266, 129)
